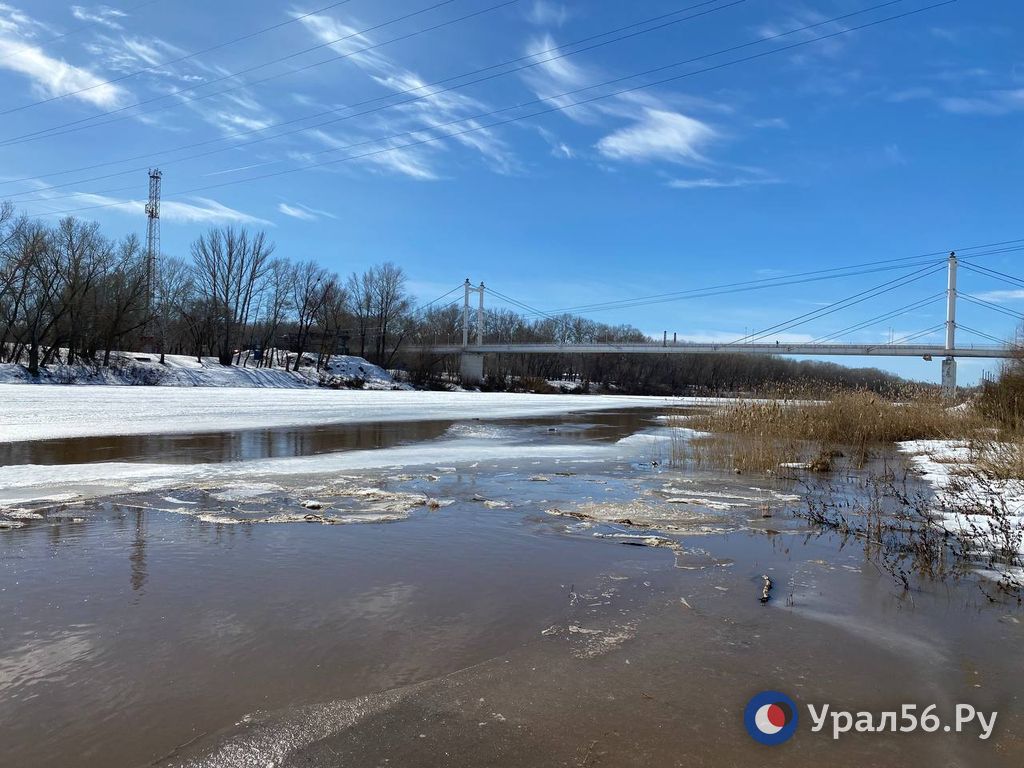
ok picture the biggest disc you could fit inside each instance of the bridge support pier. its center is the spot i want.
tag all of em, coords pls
(949, 376)
(471, 367)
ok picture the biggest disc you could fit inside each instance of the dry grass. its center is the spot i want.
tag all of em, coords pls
(759, 435)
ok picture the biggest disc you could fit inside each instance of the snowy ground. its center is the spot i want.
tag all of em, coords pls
(42, 413)
(187, 371)
(986, 510)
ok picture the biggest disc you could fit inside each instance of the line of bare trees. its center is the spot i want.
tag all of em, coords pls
(69, 294)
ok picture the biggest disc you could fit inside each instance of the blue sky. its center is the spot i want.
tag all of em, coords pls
(897, 140)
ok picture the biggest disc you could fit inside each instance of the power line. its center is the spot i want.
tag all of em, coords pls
(52, 131)
(335, 112)
(557, 108)
(158, 65)
(74, 31)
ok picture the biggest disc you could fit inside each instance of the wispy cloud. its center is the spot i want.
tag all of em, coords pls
(296, 212)
(772, 122)
(102, 14)
(659, 135)
(550, 78)
(713, 183)
(805, 17)
(545, 13)
(196, 210)
(434, 110)
(303, 212)
(49, 76)
(1001, 296)
(989, 103)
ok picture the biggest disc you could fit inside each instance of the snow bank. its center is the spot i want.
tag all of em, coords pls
(989, 511)
(187, 371)
(41, 413)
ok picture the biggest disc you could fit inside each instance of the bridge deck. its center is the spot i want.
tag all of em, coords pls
(684, 348)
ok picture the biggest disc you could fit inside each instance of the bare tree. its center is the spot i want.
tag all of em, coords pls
(334, 320)
(125, 295)
(310, 290)
(390, 304)
(360, 294)
(230, 265)
(277, 303)
(172, 291)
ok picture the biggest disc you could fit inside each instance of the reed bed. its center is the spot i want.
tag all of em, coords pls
(760, 435)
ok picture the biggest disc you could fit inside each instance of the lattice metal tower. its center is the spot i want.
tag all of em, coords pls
(152, 233)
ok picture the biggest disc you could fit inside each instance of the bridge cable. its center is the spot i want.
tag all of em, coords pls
(845, 303)
(881, 318)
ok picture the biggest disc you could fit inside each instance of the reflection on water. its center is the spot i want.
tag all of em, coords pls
(138, 553)
(136, 631)
(206, 447)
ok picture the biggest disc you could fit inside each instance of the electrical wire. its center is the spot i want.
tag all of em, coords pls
(167, 63)
(555, 109)
(52, 131)
(75, 31)
(432, 94)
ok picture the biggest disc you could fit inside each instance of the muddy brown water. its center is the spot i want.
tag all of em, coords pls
(477, 634)
(249, 444)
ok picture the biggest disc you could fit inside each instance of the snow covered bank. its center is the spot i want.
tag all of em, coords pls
(989, 512)
(187, 371)
(42, 413)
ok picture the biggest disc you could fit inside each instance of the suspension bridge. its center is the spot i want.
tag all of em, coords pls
(475, 347)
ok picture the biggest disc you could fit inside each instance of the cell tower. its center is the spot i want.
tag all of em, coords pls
(152, 233)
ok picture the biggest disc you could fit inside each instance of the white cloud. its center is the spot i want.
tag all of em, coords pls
(205, 210)
(295, 212)
(772, 122)
(563, 150)
(1001, 296)
(806, 17)
(991, 103)
(439, 112)
(199, 210)
(711, 183)
(547, 13)
(49, 76)
(102, 15)
(551, 77)
(303, 212)
(659, 135)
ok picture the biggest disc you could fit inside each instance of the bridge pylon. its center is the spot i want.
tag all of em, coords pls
(949, 362)
(471, 364)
